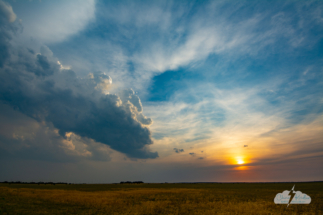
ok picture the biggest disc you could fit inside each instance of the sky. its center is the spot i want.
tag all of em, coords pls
(161, 91)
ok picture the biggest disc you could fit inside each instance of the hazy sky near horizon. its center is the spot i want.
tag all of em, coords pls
(161, 91)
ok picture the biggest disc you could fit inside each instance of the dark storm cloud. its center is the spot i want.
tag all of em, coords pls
(178, 150)
(45, 70)
(22, 137)
(6, 30)
(35, 85)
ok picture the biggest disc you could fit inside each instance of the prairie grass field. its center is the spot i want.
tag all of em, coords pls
(168, 198)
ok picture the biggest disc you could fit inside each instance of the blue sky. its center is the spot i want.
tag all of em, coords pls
(120, 87)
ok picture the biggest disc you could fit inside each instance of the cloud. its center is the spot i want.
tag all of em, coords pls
(103, 81)
(178, 150)
(192, 153)
(233, 117)
(6, 30)
(35, 85)
(51, 22)
(22, 137)
(7, 12)
(182, 36)
(128, 97)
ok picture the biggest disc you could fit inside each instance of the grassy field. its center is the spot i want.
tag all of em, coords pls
(155, 199)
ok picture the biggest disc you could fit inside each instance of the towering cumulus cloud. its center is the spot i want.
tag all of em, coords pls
(36, 85)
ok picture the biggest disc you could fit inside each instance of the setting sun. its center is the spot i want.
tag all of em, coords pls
(240, 161)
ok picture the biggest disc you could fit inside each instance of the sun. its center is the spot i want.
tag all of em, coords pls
(240, 161)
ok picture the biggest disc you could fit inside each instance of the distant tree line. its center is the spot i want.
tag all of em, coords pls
(39, 183)
(131, 182)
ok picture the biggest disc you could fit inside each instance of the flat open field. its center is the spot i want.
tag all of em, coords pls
(155, 199)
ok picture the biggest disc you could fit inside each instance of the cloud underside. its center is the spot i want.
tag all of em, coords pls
(36, 85)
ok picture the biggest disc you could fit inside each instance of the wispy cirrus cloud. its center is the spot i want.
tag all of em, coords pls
(138, 44)
(228, 119)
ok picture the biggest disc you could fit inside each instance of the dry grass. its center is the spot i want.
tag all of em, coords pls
(155, 199)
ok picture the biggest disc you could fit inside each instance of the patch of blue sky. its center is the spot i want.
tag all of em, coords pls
(164, 85)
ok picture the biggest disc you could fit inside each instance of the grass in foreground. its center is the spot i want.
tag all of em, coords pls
(155, 199)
